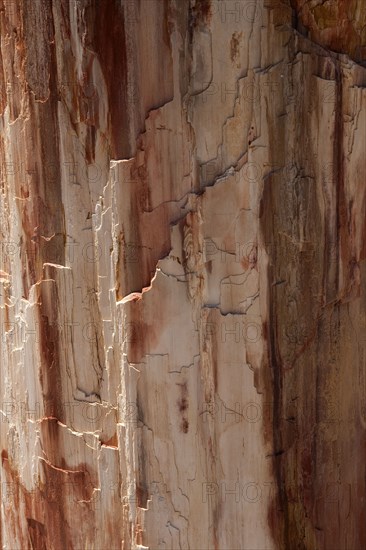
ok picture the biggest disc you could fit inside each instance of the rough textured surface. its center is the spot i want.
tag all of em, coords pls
(182, 284)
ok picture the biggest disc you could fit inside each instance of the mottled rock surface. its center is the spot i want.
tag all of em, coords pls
(182, 274)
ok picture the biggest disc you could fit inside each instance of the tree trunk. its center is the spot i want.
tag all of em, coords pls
(183, 276)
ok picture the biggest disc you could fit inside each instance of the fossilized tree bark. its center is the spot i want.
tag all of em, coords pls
(183, 309)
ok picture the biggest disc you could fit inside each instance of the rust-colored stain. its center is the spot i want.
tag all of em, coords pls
(107, 30)
(303, 368)
(336, 24)
(112, 442)
(183, 404)
(47, 507)
(235, 45)
(200, 12)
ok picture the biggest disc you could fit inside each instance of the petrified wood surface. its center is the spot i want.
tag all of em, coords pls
(182, 284)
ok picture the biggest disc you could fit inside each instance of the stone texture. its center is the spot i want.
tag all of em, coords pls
(182, 284)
